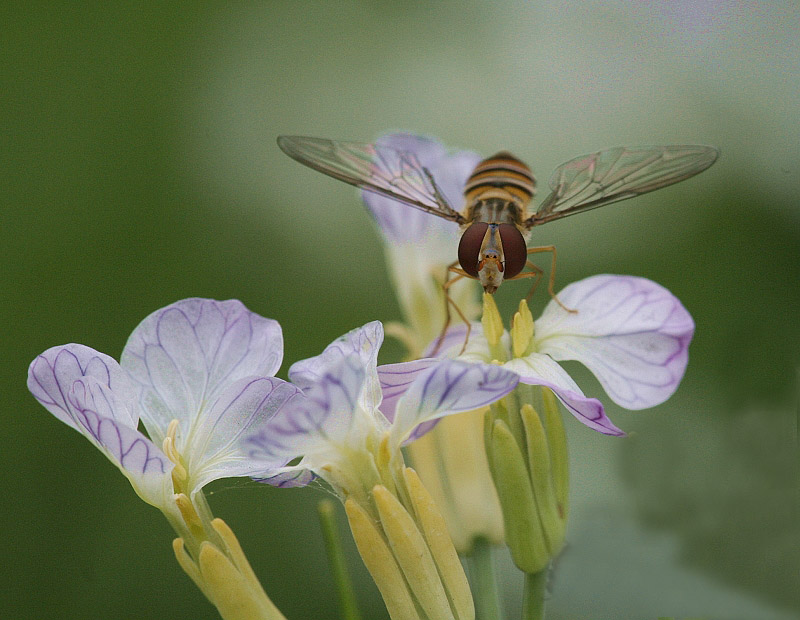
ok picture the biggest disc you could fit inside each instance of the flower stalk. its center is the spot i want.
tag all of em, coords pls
(484, 581)
(333, 546)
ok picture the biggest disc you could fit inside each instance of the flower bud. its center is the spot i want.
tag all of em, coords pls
(412, 554)
(529, 468)
(524, 535)
(380, 563)
(225, 577)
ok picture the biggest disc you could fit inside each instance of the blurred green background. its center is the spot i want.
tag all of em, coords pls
(139, 167)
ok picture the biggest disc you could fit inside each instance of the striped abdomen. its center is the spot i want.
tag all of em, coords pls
(503, 171)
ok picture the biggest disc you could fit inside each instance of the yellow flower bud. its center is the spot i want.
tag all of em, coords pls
(524, 535)
(412, 554)
(444, 554)
(552, 522)
(380, 563)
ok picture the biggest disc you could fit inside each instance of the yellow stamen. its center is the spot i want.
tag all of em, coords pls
(189, 567)
(522, 331)
(190, 516)
(179, 473)
(491, 321)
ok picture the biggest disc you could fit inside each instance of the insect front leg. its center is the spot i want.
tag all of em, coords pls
(460, 273)
(537, 272)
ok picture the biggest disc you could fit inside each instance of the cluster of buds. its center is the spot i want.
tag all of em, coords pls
(403, 541)
(527, 454)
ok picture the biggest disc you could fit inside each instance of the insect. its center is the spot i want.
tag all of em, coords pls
(495, 221)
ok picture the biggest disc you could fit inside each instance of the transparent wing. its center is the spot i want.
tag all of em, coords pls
(601, 178)
(382, 170)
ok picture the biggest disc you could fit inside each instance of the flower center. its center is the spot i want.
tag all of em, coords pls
(179, 473)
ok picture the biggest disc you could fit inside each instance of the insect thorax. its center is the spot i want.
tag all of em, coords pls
(497, 209)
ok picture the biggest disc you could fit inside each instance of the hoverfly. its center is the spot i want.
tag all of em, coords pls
(494, 221)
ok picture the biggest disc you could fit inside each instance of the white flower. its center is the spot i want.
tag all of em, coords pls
(340, 426)
(198, 375)
(632, 333)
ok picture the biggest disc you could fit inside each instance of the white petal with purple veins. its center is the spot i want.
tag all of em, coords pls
(287, 477)
(364, 342)
(537, 369)
(95, 408)
(218, 445)
(396, 379)
(183, 356)
(325, 412)
(51, 375)
(632, 333)
(450, 386)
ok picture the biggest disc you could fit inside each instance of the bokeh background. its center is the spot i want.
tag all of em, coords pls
(139, 167)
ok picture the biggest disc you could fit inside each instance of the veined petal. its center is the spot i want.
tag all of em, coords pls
(218, 446)
(404, 224)
(324, 413)
(143, 463)
(364, 342)
(451, 386)
(538, 369)
(183, 356)
(396, 379)
(287, 477)
(51, 375)
(477, 348)
(632, 333)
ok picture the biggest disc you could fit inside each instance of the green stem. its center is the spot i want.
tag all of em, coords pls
(484, 582)
(533, 595)
(333, 547)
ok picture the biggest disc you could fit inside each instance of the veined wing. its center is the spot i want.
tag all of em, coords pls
(382, 170)
(601, 178)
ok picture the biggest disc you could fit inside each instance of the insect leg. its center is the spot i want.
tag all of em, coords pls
(551, 281)
(460, 273)
(535, 272)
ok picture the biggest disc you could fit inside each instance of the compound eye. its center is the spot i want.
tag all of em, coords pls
(515, 250)
(469, 248)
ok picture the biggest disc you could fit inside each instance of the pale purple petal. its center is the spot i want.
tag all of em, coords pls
(396, 379)
(219, 443)
(186, 354)
(365, 342)
(401, 223)
(144, 464)
(450, 386)
(538, 369)
(632, 333)
(324, 412)
(287, 477)
(51, 375)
